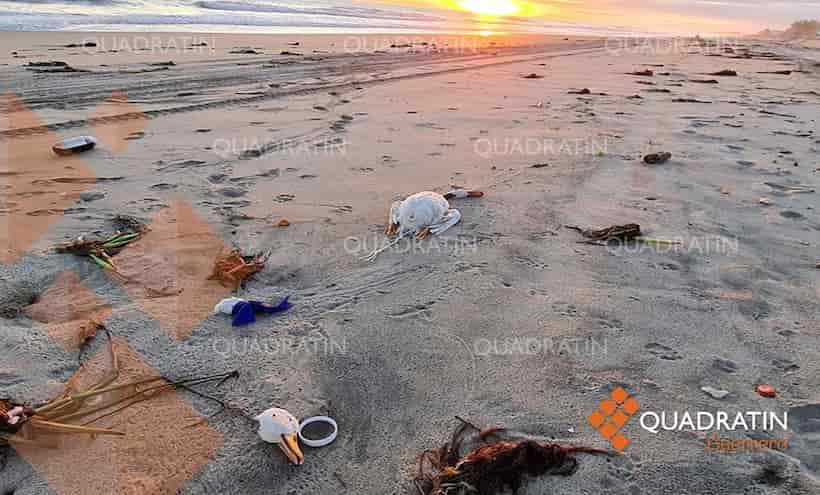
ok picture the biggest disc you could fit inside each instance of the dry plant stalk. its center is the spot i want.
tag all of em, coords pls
(492, 468)
(233, 268)
(56, 415)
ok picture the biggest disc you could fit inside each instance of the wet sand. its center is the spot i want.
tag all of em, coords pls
(505, 319)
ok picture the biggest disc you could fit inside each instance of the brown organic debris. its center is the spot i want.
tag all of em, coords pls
(657, 158)
(615, 232)
(233, 268)
(73, 410)
(492, 468)
(724, 73)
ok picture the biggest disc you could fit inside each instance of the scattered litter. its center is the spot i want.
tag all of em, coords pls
(765, 201)
(234, 268)
(101, 252)
(714, 392)
(74, 145)
(311, 440)
(422, 214)
(766, 391)
(492, 468)
(284, 223)
(280, 427)
(657, 158)
(244, 311)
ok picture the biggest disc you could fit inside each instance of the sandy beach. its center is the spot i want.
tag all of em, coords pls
(509, 318)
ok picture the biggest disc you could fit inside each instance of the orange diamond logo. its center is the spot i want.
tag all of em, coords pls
(612, 415)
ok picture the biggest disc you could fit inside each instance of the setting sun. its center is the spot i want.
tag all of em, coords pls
(490, 7)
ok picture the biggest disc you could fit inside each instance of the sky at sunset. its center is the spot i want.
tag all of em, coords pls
(659, 15)
(546, 16)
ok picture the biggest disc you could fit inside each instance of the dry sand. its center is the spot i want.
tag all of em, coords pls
(214, 150)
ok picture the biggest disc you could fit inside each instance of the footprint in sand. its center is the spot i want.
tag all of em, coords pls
(792, 215)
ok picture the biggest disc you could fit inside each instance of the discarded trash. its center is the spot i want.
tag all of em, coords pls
(101, 252)
(657, 158)
(233, 268)
(766, 391)
(765, 201)
(244, 312)
(281, 427)
(322, 441)
(283, 223)
(422, 214)
(74, 145)
(492, 468)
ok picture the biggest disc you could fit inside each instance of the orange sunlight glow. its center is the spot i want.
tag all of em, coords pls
(490, 7)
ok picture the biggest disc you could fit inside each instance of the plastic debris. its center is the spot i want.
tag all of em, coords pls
(244, 312)
(280, 427)
(318, 442)
(74, 145)
(766, 391)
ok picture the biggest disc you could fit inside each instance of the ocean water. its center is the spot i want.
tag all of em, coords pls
(287, 16)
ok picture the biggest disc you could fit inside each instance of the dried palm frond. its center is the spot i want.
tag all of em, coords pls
(56, 416)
